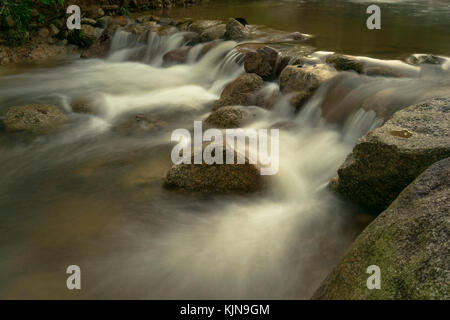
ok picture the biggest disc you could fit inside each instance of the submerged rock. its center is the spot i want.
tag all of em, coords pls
(264, 62)
(226, 117)
(216, 178)
(84, 106)
(236, 30)
(176, 56)
(34, 118)
(345, 63)
(379, 71)
(267, 96)
(387, 159)
(409, 242)
(139, 124)
(241, 91)
(425, 59)
(301, 82)
(202, 25)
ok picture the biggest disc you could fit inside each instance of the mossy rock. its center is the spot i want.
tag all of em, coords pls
(409, 242)
(387, 159)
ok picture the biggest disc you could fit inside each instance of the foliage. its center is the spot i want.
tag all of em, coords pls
(124, 11)
(19, 11)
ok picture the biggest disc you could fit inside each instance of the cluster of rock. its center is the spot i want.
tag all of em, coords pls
(402, 167)
(387, 159)
(409, 242)
(48, 35)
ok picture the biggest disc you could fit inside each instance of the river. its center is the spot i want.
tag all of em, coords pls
(92, 196)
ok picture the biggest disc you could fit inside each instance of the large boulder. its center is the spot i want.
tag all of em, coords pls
(301, 82)
(236, 30)
(409, 242)
(264, 62)
(387, 159)
(34, 118)
(241, 91)
(213, 33)
(216, 178)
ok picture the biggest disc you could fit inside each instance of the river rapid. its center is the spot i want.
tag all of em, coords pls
(92, 196)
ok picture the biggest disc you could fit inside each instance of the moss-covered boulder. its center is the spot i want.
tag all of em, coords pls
(409, 242)
(387, 159)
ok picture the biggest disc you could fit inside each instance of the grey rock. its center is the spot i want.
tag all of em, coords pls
(236, 30)
(387, 159)
(216, 178)
(264, 62)
(227, 117)
(201, 25)
(34, 118)
(213, 33)
(241, 91)
(345, 63)
(409, 242)
(301, 82)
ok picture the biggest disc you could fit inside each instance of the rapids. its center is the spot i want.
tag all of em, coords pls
(91, 196)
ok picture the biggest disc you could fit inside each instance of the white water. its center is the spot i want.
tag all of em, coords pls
(163, 244)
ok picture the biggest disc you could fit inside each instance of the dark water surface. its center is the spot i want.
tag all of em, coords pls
(407, 26)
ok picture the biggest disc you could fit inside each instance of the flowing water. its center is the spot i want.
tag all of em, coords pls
(92, 195)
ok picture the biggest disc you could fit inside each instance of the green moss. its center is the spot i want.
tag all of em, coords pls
(20, 12)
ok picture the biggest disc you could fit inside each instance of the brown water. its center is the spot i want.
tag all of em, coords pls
(407, 26)
(93, 197)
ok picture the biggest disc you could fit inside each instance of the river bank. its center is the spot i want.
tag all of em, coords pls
(90, 158)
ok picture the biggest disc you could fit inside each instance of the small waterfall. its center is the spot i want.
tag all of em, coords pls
(89, 183)
(147, 48)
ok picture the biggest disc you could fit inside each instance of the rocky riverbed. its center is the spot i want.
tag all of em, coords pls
(361, 139)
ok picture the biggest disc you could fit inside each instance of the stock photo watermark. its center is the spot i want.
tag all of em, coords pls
(74, 280)
(374, 281)
(374, 21)
(235, 142)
